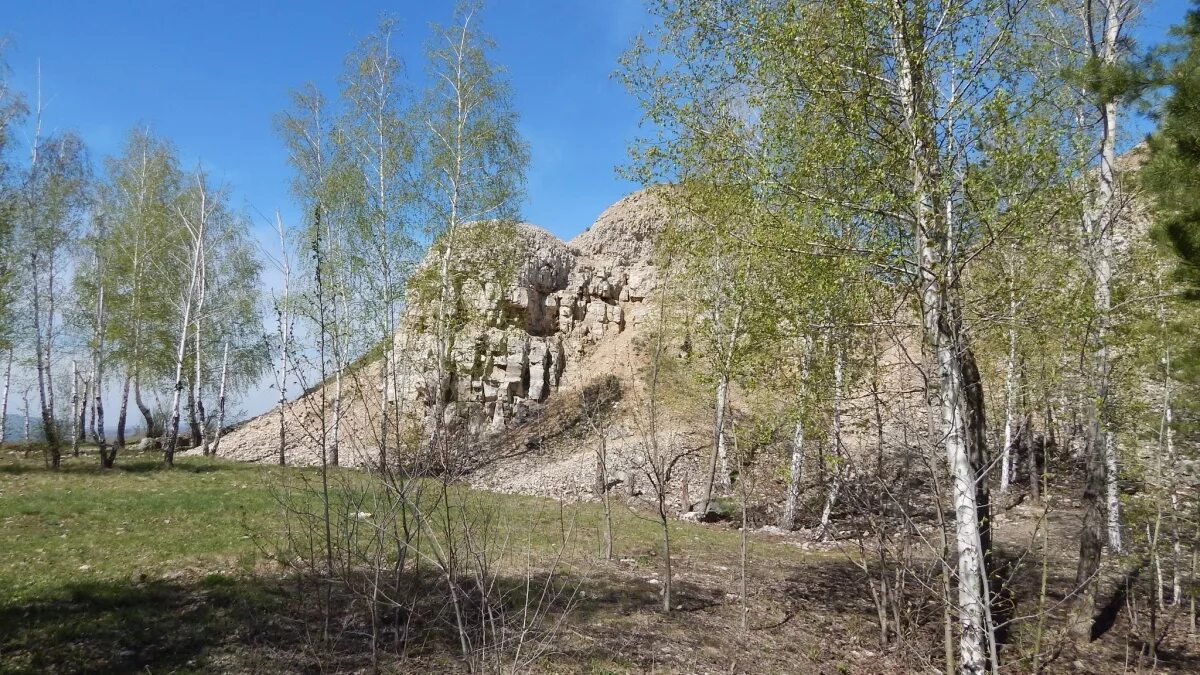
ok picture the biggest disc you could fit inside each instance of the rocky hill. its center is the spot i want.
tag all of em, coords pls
(576, 312)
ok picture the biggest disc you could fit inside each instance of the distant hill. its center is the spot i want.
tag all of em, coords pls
(14, 427)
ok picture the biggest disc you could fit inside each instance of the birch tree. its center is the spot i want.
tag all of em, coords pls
(307, 129)
(472, 170)
(194, 212)
(138, 194)
(89, 318)
(903, 104)
(376, 139)
(281, 305)
(53, 198)
(4, 396)
(1102, 24)
(12, 110)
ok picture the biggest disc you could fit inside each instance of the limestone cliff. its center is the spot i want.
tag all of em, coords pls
(556, 326)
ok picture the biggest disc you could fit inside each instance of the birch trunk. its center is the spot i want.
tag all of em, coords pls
(4, 398)
(193, 420)
(44, 384)
(718, 456)
(1169, 433)
(1007, 461)
(122, 413)
(177, 391)
(202, 441)
(439, 444)
(196, 416)
(335, 429)
(98, 436)
(835, 448)
(1101, 518)
(284, 317)
(339, 288)
(181, 349)
(388, 364)
(722, 403)
(1112, 493)
(796, 465)
(216, 444)
(76, 422)
(942, 327)
(86, 411)
(454, 177)
(1037, 451)
(28, 436)
(147, 415)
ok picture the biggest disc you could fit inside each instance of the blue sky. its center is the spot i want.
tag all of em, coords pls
(210, 75)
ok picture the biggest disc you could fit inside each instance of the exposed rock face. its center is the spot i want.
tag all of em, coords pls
(565, 302)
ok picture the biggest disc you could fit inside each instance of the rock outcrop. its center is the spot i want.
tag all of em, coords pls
(564, 301)
(546, 332)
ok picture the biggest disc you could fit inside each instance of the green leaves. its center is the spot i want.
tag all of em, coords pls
(1172, 173)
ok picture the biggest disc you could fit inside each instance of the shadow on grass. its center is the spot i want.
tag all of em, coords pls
(127, 627)
(256, 624)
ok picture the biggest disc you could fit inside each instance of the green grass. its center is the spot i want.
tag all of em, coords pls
(140, 521)
(145, 567)
(134, 522)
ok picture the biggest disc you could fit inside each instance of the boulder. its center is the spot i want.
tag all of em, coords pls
(147, 444)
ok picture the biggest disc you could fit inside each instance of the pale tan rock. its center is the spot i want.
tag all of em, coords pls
(567, 301)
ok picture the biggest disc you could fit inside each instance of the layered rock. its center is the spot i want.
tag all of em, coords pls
(564, 300)
(529, 337)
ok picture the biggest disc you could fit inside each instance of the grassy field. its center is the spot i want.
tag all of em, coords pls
(129, 524)
(145, 569)
(142, 567)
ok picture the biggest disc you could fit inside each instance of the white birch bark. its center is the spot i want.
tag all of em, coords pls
(284, 318)
(41, 347)
(338, 351)
(86, 410)
(1112, 493)
(1010, 391)
(196, 230)
(43, 332)
(25, 399)
(216, 444)
(76, 422)
(722, 405)
(1169, 437)
(835, 447)
(136, 279)
(199, 376)
(335, 428)
(719, 456)
(98, 435)
(796, 465)
(934, 226)
(4, 398)
(1098, 224)
(454, 177)
(173, 427)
